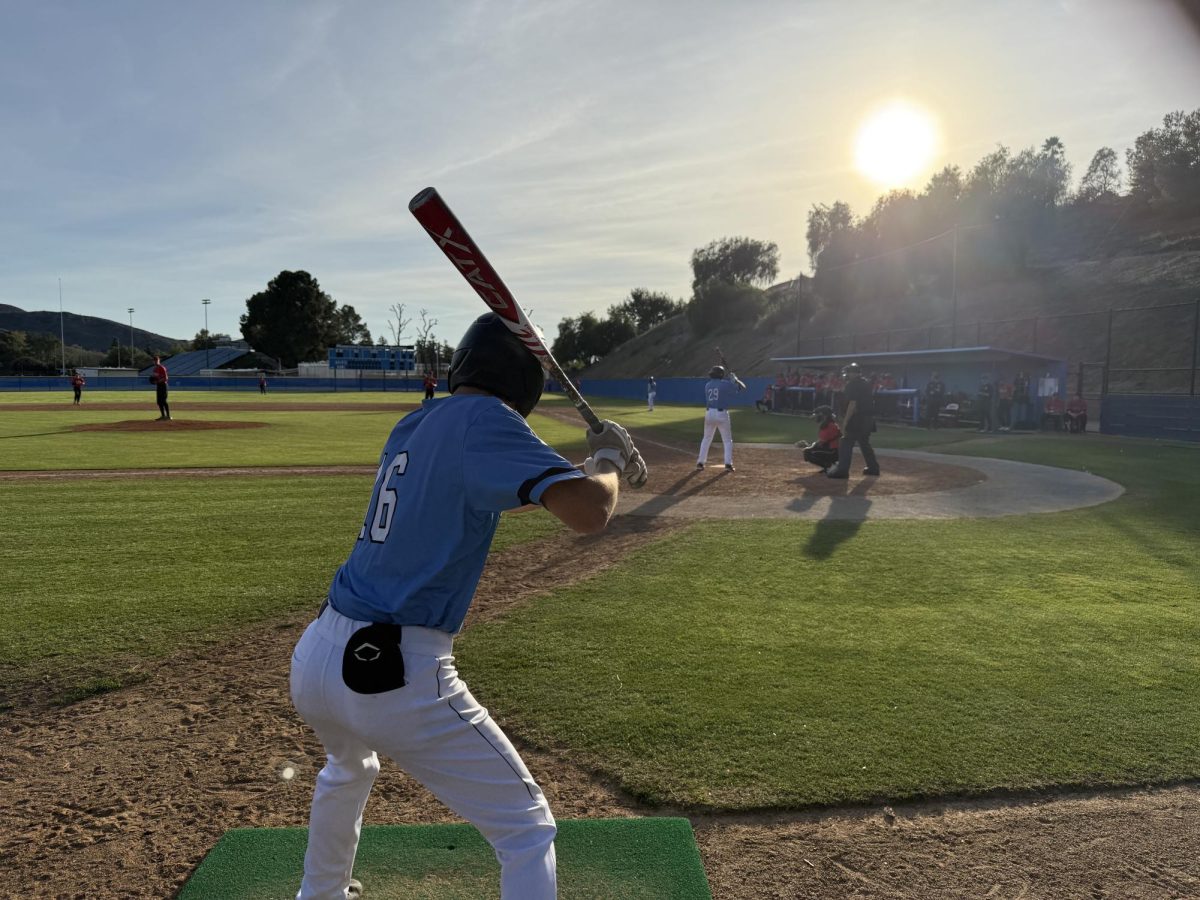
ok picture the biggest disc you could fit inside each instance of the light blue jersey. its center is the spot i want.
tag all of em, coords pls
(447, 472)
(718, 393)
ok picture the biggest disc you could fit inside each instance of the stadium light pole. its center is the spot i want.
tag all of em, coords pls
(207, 336)
(131, 353)
(62, 331)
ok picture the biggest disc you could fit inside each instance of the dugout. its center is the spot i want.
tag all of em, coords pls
(961, 370)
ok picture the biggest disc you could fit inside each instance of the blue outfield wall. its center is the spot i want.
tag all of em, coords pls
(1165, 416)
(688, 391)
(200, 383)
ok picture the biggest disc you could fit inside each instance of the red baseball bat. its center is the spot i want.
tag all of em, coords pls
(447, 232)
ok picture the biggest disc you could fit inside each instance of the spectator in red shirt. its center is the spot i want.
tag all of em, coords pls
(1077, 415)
(158, 378)
(1052, 412)
(430, 386)
(823, 451)
(77, 384)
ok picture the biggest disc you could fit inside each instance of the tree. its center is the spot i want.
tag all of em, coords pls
(397, 323)
(738, 260)
(12, 348)
(205, 341)
(294, 320)
(1164, 163)
(1102, 180)
(584, 339)
(825, 223)
(645, 309)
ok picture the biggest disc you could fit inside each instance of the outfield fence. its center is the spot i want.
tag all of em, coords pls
(278, 384)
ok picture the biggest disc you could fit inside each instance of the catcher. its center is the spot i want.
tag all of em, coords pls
(823, 451)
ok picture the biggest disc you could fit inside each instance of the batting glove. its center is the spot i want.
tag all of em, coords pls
(636, 473)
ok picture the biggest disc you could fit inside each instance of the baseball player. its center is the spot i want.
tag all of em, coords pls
(159, 378)
(374, 674)
(77, 384)
(718, 393)
(651, 393)
(823, 451)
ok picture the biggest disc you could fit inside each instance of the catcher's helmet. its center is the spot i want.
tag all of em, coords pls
(492, 358)
(851, 369)
(823, 413)
(716, 372)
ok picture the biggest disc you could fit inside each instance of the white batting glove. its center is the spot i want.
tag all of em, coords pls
(636, 473)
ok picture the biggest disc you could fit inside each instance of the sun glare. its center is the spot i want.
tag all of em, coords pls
(895, 144)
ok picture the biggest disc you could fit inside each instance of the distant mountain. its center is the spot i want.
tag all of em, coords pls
(89, 332)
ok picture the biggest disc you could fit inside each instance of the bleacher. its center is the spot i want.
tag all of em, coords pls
(194, 361)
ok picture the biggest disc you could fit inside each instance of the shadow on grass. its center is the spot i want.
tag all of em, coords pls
(834, 530)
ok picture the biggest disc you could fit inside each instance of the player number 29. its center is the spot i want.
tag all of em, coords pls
(384, 501)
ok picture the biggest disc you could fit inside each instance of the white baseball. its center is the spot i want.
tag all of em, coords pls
(287, 773)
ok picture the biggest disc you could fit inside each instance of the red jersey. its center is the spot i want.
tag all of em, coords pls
(77, 381)
(159, 374)
(1054, 405)
(1077, 405)
(829, 434)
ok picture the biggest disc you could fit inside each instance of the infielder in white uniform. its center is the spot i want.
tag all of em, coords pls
(375, 675)
(718, 393)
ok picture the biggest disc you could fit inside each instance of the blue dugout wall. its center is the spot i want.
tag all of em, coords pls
(1164, 416)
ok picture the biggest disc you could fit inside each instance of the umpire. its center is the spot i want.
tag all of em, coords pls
(857, 424)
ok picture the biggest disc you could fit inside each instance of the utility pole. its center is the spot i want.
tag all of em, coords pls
(62, 331)
(207, 335)
(131, 352)
(954, 293)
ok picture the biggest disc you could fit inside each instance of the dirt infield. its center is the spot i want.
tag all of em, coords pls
(158, 426)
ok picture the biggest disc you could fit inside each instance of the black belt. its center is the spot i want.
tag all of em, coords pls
(715, 409)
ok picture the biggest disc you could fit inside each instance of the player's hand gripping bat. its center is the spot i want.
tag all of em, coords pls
(741, 385)
(447, 232)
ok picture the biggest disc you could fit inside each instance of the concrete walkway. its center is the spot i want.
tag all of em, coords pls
(1008, 489)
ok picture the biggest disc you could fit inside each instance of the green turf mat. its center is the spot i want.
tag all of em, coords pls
(597, 858)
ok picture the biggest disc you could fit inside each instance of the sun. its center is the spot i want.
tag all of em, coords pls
(896, 143)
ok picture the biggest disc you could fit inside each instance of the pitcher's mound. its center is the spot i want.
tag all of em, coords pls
(168, 425)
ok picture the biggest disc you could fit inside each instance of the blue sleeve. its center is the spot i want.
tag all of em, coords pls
(506, 465)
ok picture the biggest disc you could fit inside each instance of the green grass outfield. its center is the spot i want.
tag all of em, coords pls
(732, 664)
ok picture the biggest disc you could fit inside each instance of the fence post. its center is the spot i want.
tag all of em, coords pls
(1107, 355)
(1195, 343)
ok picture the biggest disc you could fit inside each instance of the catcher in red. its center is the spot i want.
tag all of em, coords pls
(823, 452)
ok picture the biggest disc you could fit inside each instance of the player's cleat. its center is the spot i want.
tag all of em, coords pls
(699, 465)
(834, 474)
(870, 471)
(728, 467)
(354, 890)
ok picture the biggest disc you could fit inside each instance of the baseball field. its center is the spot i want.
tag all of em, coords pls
(841, 701)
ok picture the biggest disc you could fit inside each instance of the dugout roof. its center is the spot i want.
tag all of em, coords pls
(938, 357)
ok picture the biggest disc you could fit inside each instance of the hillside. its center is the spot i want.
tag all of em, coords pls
(1065, 293)
(88, 332)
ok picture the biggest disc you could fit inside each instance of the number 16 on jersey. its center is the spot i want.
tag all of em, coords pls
(382, 510)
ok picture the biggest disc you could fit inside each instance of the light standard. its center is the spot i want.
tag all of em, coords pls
(207, 336)
(131, 336)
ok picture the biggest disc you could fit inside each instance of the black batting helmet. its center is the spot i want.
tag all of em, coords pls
(851, 369)
(492, 358)
(716, 372)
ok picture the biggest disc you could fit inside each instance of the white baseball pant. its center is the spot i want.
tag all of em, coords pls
(717, 420)
(435, 731)
(650, 401)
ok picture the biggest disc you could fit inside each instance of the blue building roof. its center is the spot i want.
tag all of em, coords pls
(192, 362)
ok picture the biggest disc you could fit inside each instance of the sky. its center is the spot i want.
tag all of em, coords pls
(156, 154)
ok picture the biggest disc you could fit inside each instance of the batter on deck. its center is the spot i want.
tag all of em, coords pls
(375, 674)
